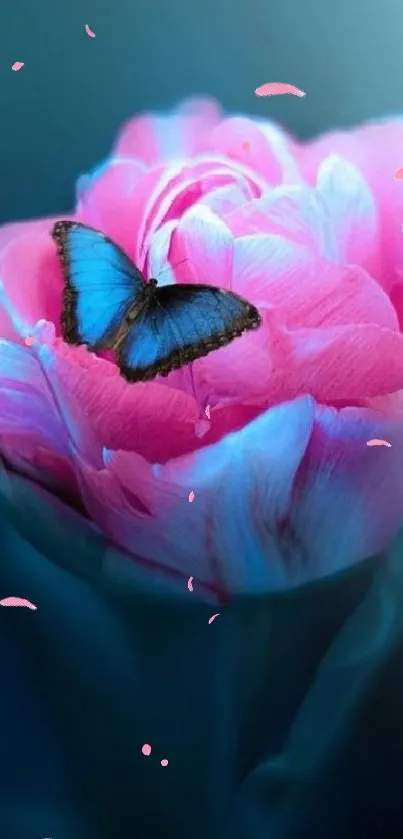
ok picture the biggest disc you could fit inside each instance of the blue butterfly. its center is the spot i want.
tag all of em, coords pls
(108, 304)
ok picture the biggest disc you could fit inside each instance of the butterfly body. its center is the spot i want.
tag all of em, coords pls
(108, 304)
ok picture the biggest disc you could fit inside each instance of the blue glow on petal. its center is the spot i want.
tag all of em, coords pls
(107, 455)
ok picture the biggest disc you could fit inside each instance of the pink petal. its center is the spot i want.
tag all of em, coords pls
(8, 233)
(180, 186)
(27, 415)
(123, 416)
(296, 213)
(334, 364)
(227, 139)
(32, 279)
(250, 360)
(347, 489)
(346, 363)
(207, 246)
(226, 199)
(277, 88)
(147, 507)
(337, 220)
(33, 434)
(351, 210)
(376, 150)
(115, 200)
(284, 148)
(58, 360)
(17, 601)
(17, 65)
(152, 419)
(159, 252)
(308, 290)
(152, 137)
(18, 228)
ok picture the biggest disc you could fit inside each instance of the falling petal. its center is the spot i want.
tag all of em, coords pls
(191, 496)
(164, 762)
(29, 340)
(17, 65)
(207, 411)
(245, 146)
(210, 620)
(89, 31)
(17, 601)
(376, 442)
(399, 174)
(190, 583)
(276, 88)
(146, 749)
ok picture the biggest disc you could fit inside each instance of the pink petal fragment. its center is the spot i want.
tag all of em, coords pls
(207, 411)
(190, 583)
(399, 174)
(146, 749)
(17, 601)
(191, 496)
(376, 442)
(17, 65)
(164, 762)
(210, 620)
(89, 31)
(276, 88)
(29, 340)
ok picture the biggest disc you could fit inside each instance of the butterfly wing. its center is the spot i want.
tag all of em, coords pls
(101, 282)
(182, 323)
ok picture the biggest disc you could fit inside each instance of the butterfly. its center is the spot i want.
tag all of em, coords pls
(108, 304)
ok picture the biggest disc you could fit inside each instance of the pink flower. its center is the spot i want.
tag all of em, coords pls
(285, 487)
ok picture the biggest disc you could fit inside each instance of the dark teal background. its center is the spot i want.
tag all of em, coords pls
(60, 113)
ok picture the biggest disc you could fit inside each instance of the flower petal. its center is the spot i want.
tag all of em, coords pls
(275, 363)
(267, 146)
(376, 150)
(116, 202)
(32, 280)
(297, 213)
(184, 184)
(155, 137)
(27, 410)
(230, 530)
(350, 206)
(9, 233)
(206, 244)
(159, 251)
(348, 500)
(318, 360)
(309, 291)
(152, 419)
(226, 199)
